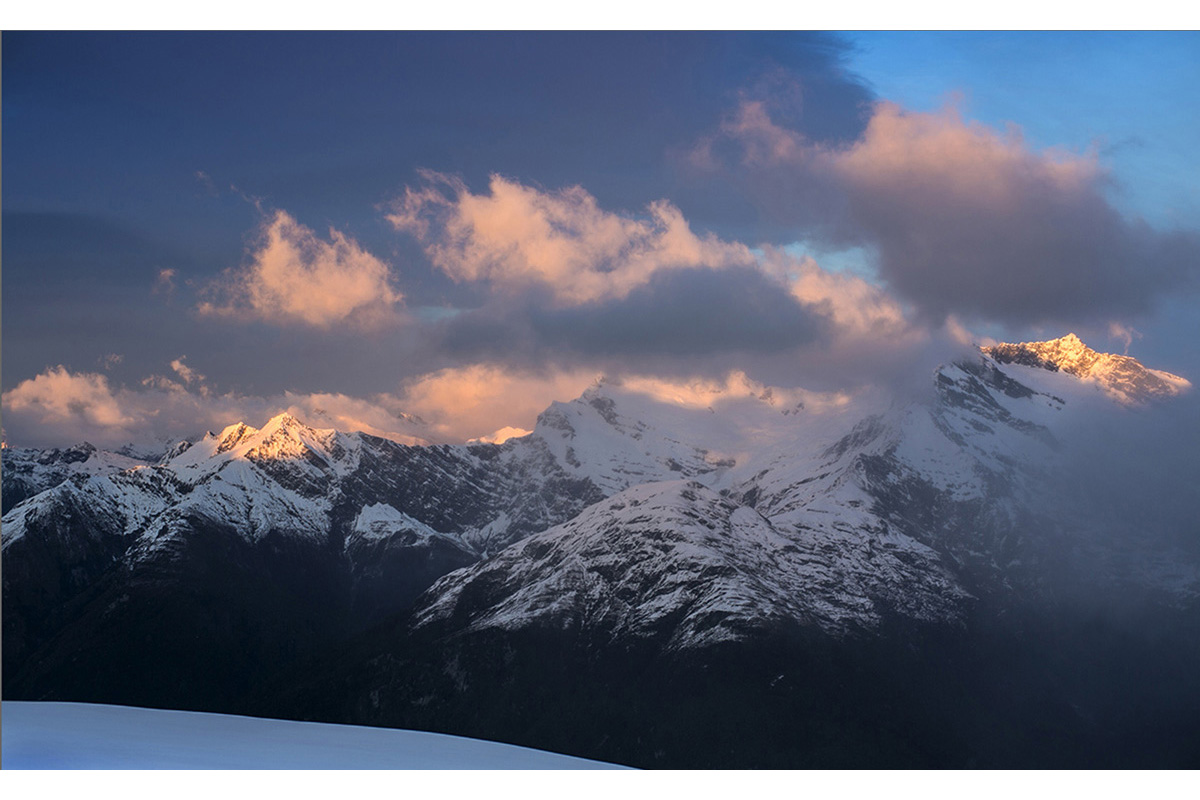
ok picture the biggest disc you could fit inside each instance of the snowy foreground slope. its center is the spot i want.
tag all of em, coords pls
(85, 736)
(658, 575)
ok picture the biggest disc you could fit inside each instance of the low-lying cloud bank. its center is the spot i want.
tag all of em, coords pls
(60, 407)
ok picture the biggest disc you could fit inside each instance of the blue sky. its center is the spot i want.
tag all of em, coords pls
(1125, 94)
(205, 224)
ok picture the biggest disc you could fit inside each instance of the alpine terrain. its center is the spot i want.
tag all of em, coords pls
(751, 577)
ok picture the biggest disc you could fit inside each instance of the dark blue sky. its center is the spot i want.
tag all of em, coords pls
(142, 171)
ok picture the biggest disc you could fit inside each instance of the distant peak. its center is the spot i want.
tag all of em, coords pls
(286, 425)
(1067, 353)
(1122, 377)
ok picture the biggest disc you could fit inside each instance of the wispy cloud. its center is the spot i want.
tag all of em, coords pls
(165, 283)
(293, 276)
(185, 372)
(1125, 334)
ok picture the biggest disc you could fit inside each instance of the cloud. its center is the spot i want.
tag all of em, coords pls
(572, 285)
(66, 401)
(707, 393)
(165, 283)
(185, 372)
(466, 403)
(295, 277)
(856, 307)
(965, 219)
(801, 327)
(686, 314)
(469, 402)
(60, 407)
(517, 236)
(1125, 334)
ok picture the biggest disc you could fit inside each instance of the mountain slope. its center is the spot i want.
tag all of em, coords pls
(28, 472)
(647, 543)
(679, 560)
(260, 545)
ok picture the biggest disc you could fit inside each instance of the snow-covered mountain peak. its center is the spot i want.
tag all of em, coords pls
(286, 438)
(1067, 353)
(283, 443)
(233, 435)
(283, 421)
(1122, 378)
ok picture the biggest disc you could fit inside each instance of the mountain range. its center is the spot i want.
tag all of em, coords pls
(745, 577)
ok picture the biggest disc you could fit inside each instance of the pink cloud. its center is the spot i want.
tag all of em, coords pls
(516, 236)
(293, 276)
(856, 307)
(57, 397)
(482, 399)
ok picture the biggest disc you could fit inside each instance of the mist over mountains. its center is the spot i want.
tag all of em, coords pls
(1003, 572)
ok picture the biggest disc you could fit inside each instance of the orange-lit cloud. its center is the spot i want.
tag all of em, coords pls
(699, 393)
(293, 276)
(73, 401)
(904, 151)
(856, 307)
(517, 236)
(475, 401)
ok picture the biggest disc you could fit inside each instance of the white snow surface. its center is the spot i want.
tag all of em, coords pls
(87, 736)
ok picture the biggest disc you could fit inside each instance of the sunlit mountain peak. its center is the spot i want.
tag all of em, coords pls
(233, 435)
(1123, 378)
